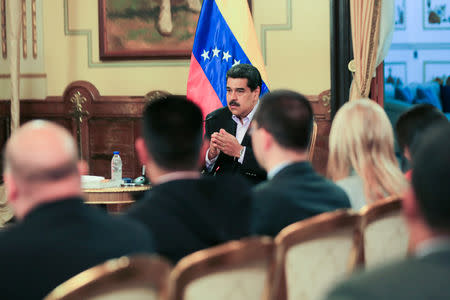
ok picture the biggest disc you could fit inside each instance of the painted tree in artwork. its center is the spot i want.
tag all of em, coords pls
(157, 19)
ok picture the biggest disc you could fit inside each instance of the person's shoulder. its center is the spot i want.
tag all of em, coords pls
(9, 235)
(230, 183)
(265, 192)
(147, 203)
(235, 179)
(218, 113)
(229, 190)
(381, 283)
(262, 187)
(133, 230)
(331, 187)
(339, 194)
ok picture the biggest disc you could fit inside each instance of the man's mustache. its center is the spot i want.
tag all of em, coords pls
(234, 102)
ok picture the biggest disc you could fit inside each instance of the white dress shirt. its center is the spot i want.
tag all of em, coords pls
(241, 129)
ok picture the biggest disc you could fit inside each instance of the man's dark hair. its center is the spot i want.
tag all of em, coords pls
(414, 121)
(288, 116)
(430, 177)
(172, 129)
(246, 71)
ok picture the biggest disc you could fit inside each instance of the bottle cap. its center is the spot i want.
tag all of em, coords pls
(116, 152)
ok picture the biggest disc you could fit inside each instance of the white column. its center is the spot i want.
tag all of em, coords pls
(14, 26)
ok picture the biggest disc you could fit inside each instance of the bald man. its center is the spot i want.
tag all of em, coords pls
(57, 236)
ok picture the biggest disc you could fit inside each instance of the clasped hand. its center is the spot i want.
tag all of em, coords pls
(224, 142)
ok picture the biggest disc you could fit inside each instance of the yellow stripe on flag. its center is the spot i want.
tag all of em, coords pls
(238, 17)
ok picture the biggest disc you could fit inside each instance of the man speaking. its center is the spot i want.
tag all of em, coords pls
(230, 149)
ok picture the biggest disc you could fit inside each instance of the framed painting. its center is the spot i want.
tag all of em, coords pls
(436, 15)
(400, 14)
(395, 73)
(147, 29)
(435, 69)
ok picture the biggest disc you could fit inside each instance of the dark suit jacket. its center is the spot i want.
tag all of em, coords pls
(413, 279)
(295, 193)
(221, 118)
(187, 215)
(58, 240)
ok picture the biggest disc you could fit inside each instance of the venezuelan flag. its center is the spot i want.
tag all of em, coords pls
(225, 36)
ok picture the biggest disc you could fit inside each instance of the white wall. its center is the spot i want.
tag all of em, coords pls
(420, 51)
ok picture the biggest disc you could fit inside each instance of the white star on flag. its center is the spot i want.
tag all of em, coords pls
(236, 62)
(226, 55)
(205, 55)
(216, 52)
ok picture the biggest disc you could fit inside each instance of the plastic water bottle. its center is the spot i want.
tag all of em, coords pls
(116, 168)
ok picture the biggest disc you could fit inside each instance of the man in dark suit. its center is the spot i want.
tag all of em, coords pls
(184, 211)
(426, 208)
(57, 235)
(281, 131)
(230, 149)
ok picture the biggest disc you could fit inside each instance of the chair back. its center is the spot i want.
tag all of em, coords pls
(130, 278)
(386, 236)
(312, 141)
(6, 212)
(313, 254)
(238, 270)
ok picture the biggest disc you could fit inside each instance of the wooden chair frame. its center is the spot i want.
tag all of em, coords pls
(229, 256)
(311, 229)
(376, 211)
(380, 209)
(124, 272)
(312, 142)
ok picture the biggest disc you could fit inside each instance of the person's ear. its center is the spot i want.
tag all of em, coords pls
(411, 208)
(11, 190)
(141, 150)
(256, 92)
(407, 153)
(267, 139)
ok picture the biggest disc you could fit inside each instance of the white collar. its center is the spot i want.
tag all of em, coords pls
(249, 117)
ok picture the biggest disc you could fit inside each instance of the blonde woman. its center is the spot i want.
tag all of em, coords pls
(361, 158)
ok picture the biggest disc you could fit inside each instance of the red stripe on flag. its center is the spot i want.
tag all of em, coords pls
(200, 90)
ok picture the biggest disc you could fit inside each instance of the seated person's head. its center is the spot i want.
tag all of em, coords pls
(243, 89)
(429, 200)
(172, 129)
(156, 94)
(413, 122)
(362, 140)
(248, 72)
(283, 121)
(41, 165)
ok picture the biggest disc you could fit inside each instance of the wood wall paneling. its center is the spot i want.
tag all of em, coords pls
(4, 130)
(112, 134)
(108, 123)
(321, 105)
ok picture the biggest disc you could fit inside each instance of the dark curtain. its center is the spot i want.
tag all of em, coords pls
(341, 53)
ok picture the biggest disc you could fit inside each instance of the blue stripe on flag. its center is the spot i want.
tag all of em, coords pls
(214, 42)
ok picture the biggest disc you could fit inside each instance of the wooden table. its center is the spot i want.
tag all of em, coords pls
(116, 199)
